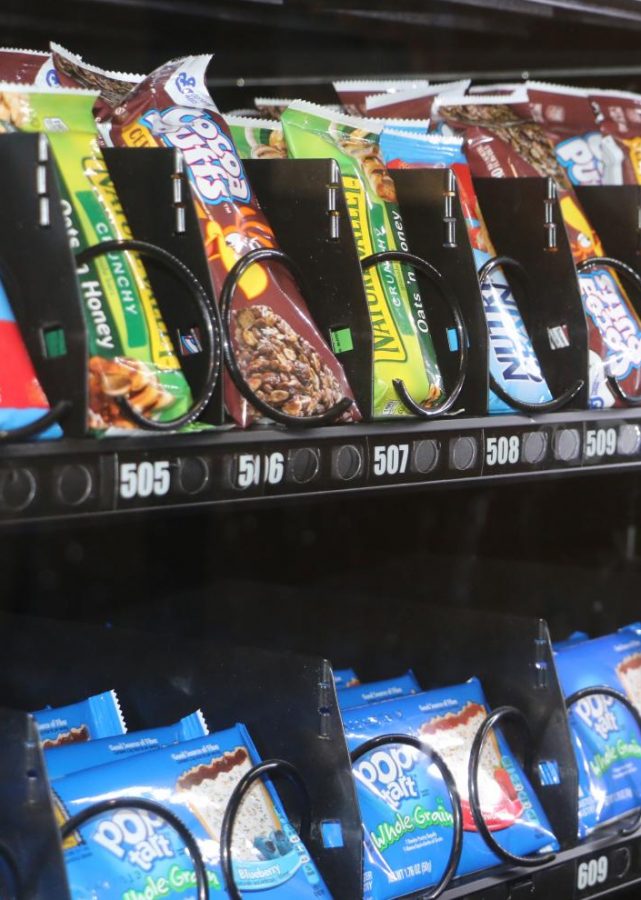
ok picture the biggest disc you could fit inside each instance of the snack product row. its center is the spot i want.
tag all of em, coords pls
(276, 354)
(441, 793)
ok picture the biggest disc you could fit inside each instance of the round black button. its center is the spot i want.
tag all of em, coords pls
(17, 489)
(535, 445)
(620, 862)
(566, 444)
(425, 456)
(303, 465)
(193, 474)
(463, 452)
(347, 462)
(629, 440)
(73, 484)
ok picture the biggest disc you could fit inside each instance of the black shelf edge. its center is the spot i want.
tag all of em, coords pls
(76, 478)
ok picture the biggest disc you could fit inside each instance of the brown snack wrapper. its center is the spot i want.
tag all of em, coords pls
(619, 117)
(73, 72)
(27, 67)
(353, 92)
(413, 103)
(279, 349)
(567, 118)
(503, 142)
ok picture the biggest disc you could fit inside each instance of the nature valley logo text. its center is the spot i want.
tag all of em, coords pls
(388, 346)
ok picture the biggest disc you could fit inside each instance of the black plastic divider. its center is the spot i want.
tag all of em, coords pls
(37, 270)
(426, 197)
(31, 864)
(156, 198)
(515, 213)
(287, 701)
(304, 202)
(614, 212)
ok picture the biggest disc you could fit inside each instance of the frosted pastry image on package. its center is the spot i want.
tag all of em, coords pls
(405, 808)
(607, 741)
(129, 855)
(372, 691)
(96, 717)
(63, 759)
(257, 138)
(512, 360)
(403, 347)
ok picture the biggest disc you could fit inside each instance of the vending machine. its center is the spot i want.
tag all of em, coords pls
(320, 443)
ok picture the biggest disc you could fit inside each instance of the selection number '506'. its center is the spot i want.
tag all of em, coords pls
(254, 469)
(144, 479)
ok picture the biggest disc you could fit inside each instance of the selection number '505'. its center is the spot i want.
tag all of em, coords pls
(144, 479)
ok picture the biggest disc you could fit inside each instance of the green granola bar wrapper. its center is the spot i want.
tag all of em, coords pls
(130, 352)
(403, 347)
(257, 138)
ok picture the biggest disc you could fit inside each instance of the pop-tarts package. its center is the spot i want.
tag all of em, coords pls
(345, 678)
(386, 689)
(130, 854)
(607, 741)
(99, 716)
(68, 758)
(406, 810)
(575, 638)
(512, 358)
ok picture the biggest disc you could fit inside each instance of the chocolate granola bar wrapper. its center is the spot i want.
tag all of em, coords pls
(619, 117)
(405, 806)
(274, 107)
(413, 103)
(67, 758)
(502, 142)
(73, 72)
(135, 855)
(512, 359)
(353, 92)
(403, 347)
(257, 138)
(130, 352)
(373, 691)
(279, 349)
(98, 716)
(567, 118)
(605, 735)
(27, 67)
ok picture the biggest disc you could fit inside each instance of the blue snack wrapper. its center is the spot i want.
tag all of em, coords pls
(96, 717)
(405, 806)
(385, 689)
(575, 638)
(135, 855)
(512, 358)
(74, 757)
(607, 742)
(345, 678)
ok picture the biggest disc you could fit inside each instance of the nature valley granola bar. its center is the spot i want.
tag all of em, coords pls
(403, 347)
(130, 352)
